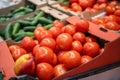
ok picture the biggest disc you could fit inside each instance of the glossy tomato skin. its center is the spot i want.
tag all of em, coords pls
(59, 56)
(91, 38)
(71, 59)
(117, 13)
(44, 71)
(91, 48)
(37, 31)
(85, 59)
(77, 45)
(70, 29)
(110, 9)
(112, 25)
(43, 54)
(64, 41)
(86, 3)
(59, 70)
(55, 31)
(58, 24)
(27, 43)
(80, 37)
(76, 7)
(49, 42)
(16, 51)
(82, 25)
(102, 1)
(54, 61)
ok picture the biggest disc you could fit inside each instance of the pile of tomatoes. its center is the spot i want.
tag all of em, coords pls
(88, 5)
(59, 49)
(111, 20)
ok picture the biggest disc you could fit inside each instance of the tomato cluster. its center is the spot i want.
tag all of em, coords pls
(88, 5)
(112, 19)
(59, 49)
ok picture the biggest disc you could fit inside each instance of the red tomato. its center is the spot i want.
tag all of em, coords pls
(55, 31)
(86, 3)
(57, 49)
(35, 48)
(102, 1)
(64, 41)
(49, 42)
(96, 6)
(76, 45)
(58, 24)
(85, 59)
(16, 51)
(102, 5)
(112, 25)
(59, 56)
(114, 2)
(82, 25)
(36, 42)
(98, 21)
(90, 39)
(91, 48)
(42, 34)
(59, 70)
(43, 54)
(27, 43)
(117, 13)
(54, 61)
(110, 9)
(37, 31)
(71, 59)
(79, 36)
(70, 29)
(73, 1)
(76, 7)
(44, 71)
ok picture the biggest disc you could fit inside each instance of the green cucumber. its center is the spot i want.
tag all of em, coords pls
(18, 10)
(28, 10)
(16, 28)
(29, 28)
(8, 31)
(24, 33)
(44, 20)
(25, 23)
(40, 14)
(17, 15)
(19, 38)
(48, 26)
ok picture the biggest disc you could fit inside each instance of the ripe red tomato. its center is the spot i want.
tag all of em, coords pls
(64, 41)
(91, 48)
(58, 24)
(71, 59)
(90, 38)
(76, 7)
(16, 51)
(54, 61)
(59, 56)
(73, 1)
(110, 9)
(59, 70)
(44, 71)
(79, 36)
(36, 42)
(98, 21)
(55, 31)
(43, 54)
(43, 34)
(49, 42)
(102, 1)
(76, 45)
(114, 2)
(85, 59)
(37, 31)
(27, 43)
(117, 13)
(102, 5)
(86, 3)
(70, 29)
(112, 25)
(82, 25)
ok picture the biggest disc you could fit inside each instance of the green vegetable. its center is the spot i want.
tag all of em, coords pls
(8, 31)
(40, 14)
(16, 28)
(29, 28)
(24, 33)
(18, 38)
(48, 26)
(44, 20)
(28, 10)
(25, 23)
(18, 10)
